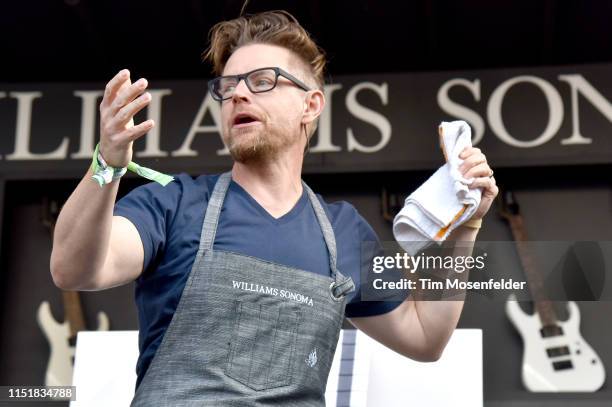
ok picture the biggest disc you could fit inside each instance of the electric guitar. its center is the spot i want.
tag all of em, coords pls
(556, 358)
(62, 336)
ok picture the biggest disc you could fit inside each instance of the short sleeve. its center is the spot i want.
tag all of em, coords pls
(151, 208)
(370, 247)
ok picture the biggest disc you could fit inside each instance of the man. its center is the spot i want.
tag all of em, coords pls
(242, 279)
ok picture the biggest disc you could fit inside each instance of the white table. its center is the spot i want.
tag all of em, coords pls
(104, 372)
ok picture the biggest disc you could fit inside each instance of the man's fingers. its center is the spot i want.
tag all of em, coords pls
(472, 161)
(126, 95)
(138, 131)
(479, 170)
(484, 182)
(467, 151)
(113, 86)
(127, 112)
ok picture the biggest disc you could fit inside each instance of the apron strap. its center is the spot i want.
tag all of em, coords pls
(342, 285)
(326, 228)
(213, 210)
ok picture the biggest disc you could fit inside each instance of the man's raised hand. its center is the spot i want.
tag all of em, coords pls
(122, 100)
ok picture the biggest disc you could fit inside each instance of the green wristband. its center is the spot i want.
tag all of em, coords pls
(104, 174)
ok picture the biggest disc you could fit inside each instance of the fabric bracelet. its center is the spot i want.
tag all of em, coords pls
(104, 174)
(473, 223)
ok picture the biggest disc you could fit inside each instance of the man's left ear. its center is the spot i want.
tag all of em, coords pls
(314, 103)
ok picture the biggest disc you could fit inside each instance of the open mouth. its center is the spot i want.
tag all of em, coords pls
(244, 119)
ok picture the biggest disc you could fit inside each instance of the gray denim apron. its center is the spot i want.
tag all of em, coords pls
(248, 332)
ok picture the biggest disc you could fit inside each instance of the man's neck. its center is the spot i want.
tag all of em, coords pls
(275, 184)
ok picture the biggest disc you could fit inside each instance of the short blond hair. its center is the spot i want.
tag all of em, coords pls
(271, 27)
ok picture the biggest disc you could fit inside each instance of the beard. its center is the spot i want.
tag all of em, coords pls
(257, 143)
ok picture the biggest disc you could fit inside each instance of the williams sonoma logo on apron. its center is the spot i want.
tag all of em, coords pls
(263, 289)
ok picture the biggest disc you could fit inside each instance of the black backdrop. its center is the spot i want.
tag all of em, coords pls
(87, 41)
(560, 203)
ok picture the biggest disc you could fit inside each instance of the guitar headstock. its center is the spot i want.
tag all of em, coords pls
(508, 206)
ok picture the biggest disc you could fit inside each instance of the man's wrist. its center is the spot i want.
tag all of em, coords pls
(473, 223)
(118, 172)
(103, 173)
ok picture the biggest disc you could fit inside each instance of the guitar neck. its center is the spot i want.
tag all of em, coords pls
(73, 312)
(542, 304)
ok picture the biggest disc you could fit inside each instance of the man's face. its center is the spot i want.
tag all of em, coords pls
(259, 126)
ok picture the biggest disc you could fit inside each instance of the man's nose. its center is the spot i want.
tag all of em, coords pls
(241, 92)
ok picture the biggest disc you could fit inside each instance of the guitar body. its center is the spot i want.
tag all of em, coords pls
(559, 362)
(59, 368)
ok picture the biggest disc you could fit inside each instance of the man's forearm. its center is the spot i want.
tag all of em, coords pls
(439, 318)
(82, 233)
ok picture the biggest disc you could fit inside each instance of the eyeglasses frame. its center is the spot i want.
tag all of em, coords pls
(277, 70)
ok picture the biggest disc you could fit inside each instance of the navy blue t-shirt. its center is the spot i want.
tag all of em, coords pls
(169, 220)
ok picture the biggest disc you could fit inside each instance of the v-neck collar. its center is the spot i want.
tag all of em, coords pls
(292, 213)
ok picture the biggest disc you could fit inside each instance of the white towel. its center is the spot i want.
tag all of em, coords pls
(444, 201)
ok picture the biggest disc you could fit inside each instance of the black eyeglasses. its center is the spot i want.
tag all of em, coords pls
(258, 81)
